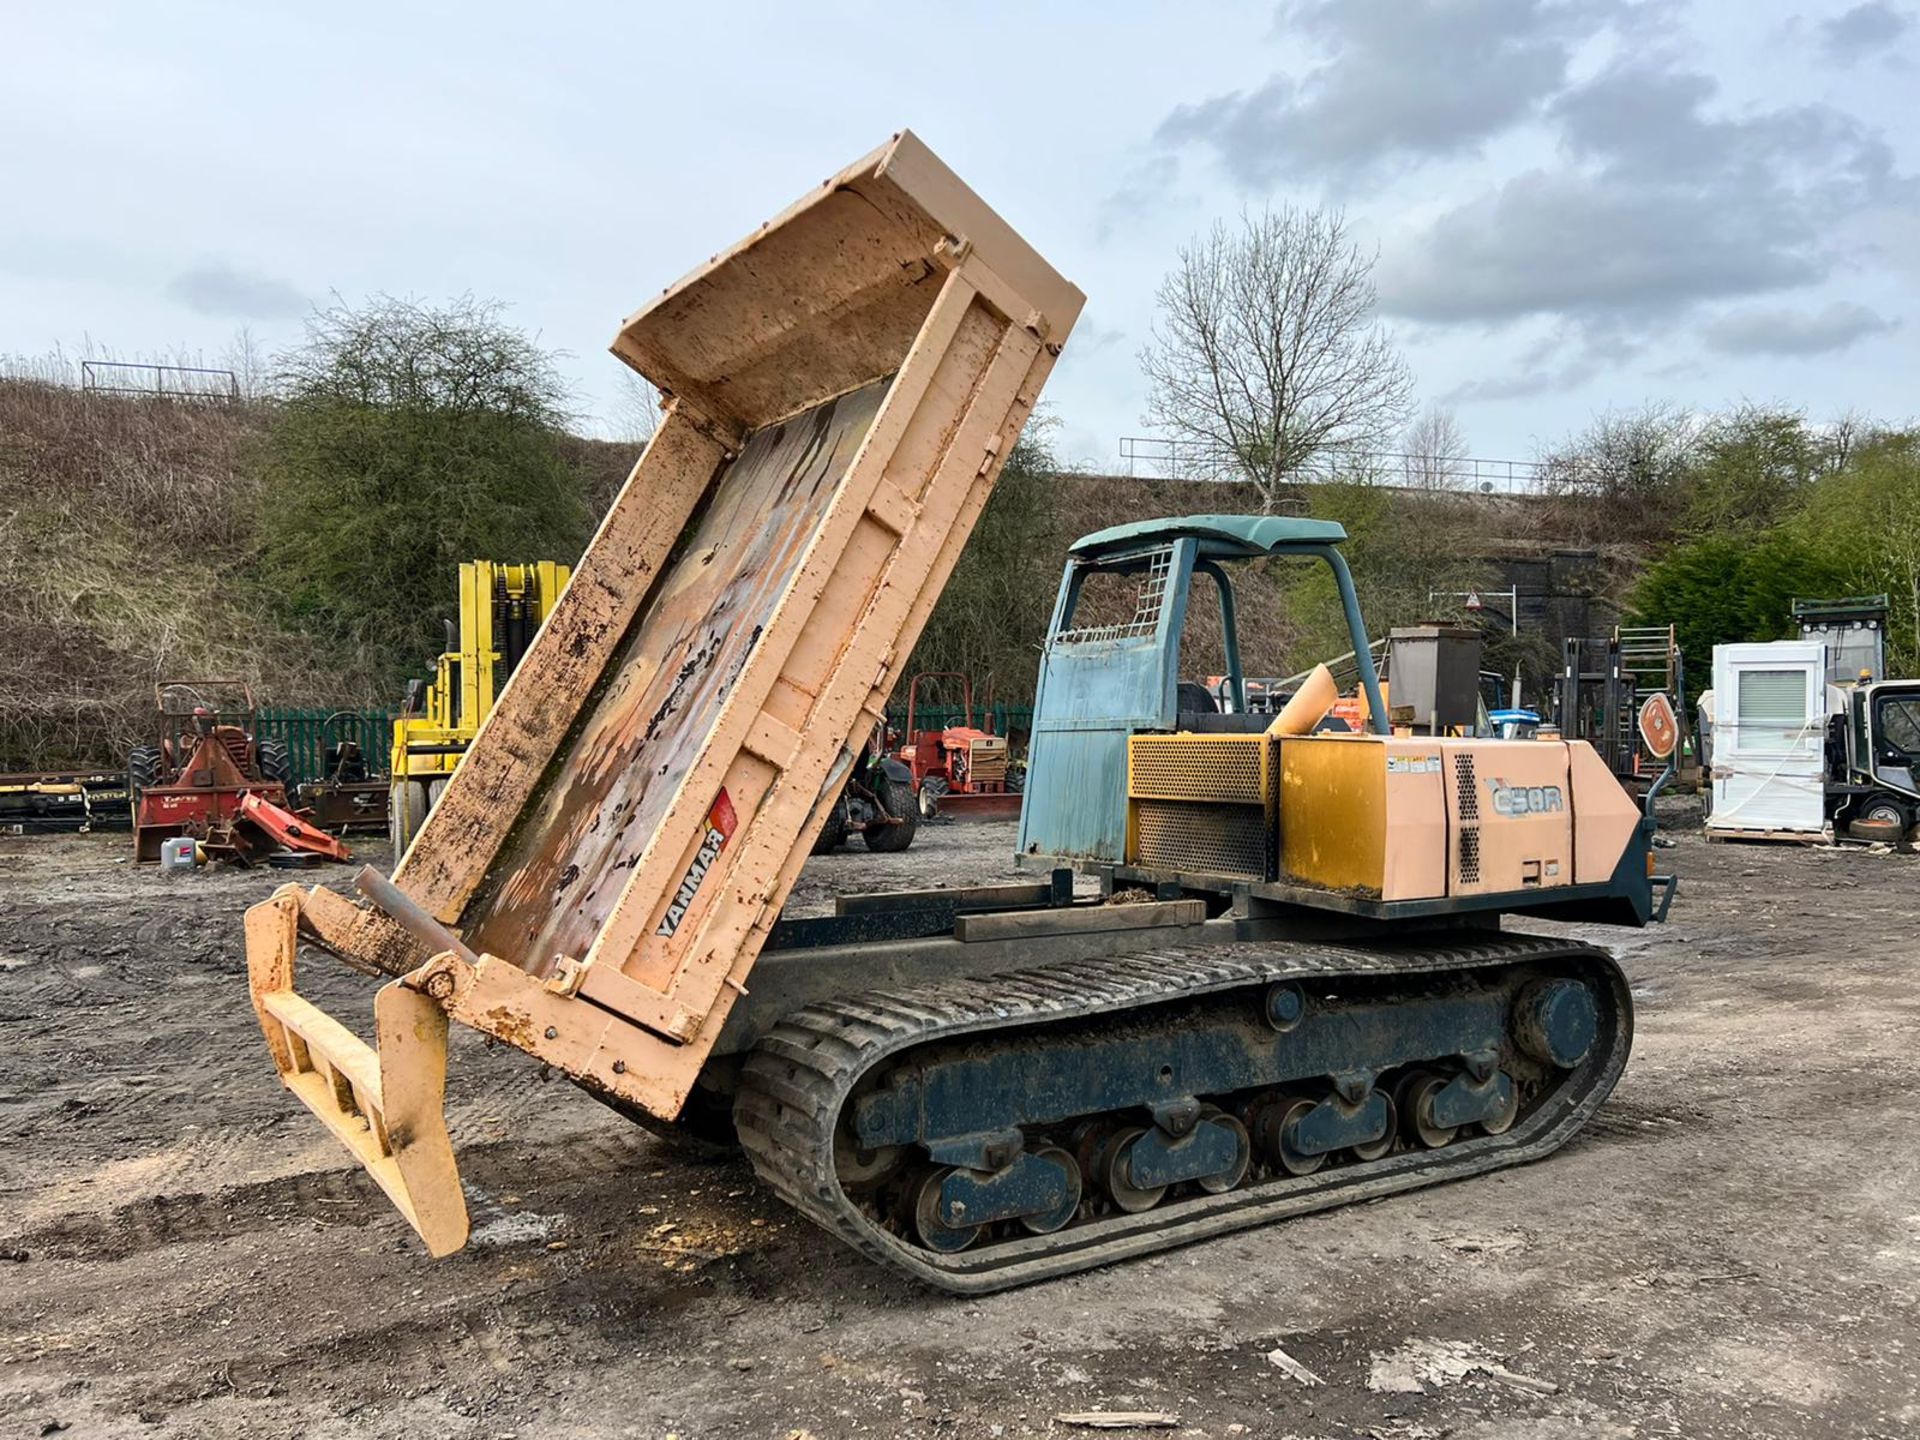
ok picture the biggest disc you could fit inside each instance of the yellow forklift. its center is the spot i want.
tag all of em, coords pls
(501, 609)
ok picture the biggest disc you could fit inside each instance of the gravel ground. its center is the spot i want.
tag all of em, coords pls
(1731, 1249)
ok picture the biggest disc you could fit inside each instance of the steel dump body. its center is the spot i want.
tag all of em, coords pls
(614, 849)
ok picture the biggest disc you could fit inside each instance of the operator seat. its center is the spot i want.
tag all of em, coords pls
(1199, 713)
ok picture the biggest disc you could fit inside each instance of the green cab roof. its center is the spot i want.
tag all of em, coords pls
(1221, 537)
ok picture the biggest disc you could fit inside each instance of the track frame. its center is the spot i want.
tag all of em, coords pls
(796, 1082)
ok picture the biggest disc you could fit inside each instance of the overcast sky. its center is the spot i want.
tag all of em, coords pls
(1577, 205)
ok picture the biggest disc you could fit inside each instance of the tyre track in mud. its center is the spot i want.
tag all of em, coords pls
(340, 1197)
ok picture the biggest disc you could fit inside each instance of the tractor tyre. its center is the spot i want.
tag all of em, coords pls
(833, 834)
(276, 763)
(1880, 818)
(901, 803)
(406, 812)
(143, 772)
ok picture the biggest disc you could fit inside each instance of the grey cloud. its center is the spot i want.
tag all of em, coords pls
(1755, 330)
(1559, 244)
(1863, 31)
(1090, 337)
(1400, 82)
(1663, 207)
(1648, 122)
(1562, 359)
(1521, 385)
(219, 289)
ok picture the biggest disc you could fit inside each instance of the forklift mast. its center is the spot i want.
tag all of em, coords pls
(502, 608)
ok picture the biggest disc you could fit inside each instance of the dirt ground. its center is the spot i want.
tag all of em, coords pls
(1732, 1249)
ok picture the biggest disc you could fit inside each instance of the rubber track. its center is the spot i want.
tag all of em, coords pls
(796, 1081)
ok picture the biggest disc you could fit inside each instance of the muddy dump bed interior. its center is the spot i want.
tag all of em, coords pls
(840, 388)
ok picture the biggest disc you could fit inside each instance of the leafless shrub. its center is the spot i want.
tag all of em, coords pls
(1434, 452)
(1623, 477)
(1266, 352)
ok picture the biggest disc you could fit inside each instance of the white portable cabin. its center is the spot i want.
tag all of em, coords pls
(1769, 739)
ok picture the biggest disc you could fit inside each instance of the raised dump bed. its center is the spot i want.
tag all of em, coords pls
(842, 388)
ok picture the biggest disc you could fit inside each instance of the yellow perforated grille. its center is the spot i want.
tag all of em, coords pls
(1231, 768)
(1209, 839)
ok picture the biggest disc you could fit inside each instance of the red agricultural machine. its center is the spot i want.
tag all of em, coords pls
(209, 779)
(960, 770)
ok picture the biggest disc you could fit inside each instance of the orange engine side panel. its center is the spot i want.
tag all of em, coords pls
(1605, 816)
(1509, 804)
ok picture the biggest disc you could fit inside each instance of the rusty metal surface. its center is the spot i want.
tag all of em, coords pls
(563, 870)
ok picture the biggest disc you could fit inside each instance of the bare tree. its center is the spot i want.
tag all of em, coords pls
(1843, 438)
(1266, 352)
(1433, 452)
(1627, 471)
(250, 363)
(636, 409)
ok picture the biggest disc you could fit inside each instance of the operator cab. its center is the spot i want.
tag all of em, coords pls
(1112, 664)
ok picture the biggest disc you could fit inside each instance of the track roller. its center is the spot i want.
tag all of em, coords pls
(1375, 1149)
(1282, 1126)
(930, 1223)
(1047, 1221)
(1221, 1181)
(1417, 1094)
(953, 1204)
(1502, 1119)
(1116, 1174)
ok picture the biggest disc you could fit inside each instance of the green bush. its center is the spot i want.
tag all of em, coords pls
(409, 438)
(991, 618)
(1864, 522)
(1786, 514)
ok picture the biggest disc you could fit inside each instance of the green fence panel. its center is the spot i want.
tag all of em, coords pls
(308, 734)
(1008, 719)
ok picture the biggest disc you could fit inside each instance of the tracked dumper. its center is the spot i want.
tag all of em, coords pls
(1291, 991)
